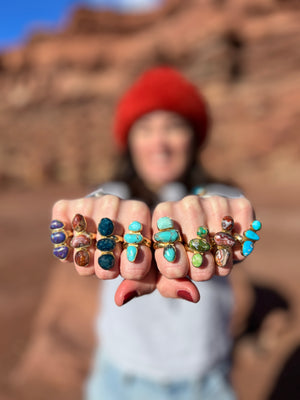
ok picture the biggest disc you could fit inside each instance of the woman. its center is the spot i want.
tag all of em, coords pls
(159, 346)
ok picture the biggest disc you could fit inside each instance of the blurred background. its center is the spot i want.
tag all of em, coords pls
(63, 65)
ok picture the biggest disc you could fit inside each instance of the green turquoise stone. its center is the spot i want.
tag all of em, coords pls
(165, 223)
(106, 261)
(170, 253)
(167, 236)
(106, 244)
(251, 235)
(247, 248)
(133, 238)
(202, 231)
(135, 226)
(199, 245)
(197, 260)
(131, 253)
(256, 225)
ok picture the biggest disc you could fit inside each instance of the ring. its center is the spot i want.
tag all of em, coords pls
(198, 246)
(223, 242)
(134, 239)
(107, 243)
(60, 239)
(81, 240)
(249, 237)
(166, 237)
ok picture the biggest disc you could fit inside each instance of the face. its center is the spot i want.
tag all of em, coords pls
(160, 145)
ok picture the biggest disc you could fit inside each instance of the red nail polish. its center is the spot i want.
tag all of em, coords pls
(129, 296)
(183, 294)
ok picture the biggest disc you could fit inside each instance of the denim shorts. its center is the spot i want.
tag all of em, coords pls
(107, 382)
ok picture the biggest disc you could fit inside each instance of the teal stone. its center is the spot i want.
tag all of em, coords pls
(256, 225)
(170, 253)
(202, 231)
(106, 244)
(131, 253)
(165, 223)
(106, 261)
(247, 248)
(106, 227)
(133, 238)
(167, 236)
(135, 226)
(251, 235)
(199, 245)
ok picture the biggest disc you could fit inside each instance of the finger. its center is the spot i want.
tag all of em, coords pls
(178, 288)
(179, 268)
(192, 215)
(108, 207)
(216, 208)
(139, 212)
(129, 289)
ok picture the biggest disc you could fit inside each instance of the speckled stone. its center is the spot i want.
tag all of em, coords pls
(197, 260)
(199, 245)
(58, 237)
(135, 226)
(133, 238)
(221, 257)
(247, 248)
(106, 244)
(82, 258)
(80, 241)
(169, 236)
(131, 253)
(164, 223)
(170, 253)
(56, 224)
(224, 239)
(61, 252)
(202, 231)
(106, 227)
(79, 223)
(227, 223)
(106, 261)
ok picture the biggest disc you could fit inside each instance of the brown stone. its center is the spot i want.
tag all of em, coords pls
(80, 241)
(82, 258)
(79, 223)
(227, 223)
(224, 239)
(221, 257)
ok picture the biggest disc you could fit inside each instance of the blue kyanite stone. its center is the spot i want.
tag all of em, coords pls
(131, 253)
(135, 226)
(106, 261)
(58, 237)
(256, 225)
(55, 224)
(247, 248)
(251, 235)
(61, 252)
(106, 227)
(106, 244)
(167, 236)
(133, 238)
(165, 223)
(170, 253)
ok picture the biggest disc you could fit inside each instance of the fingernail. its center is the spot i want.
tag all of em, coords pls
(183, 294)
(129, 296)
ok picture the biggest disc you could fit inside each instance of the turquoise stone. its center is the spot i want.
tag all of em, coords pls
(133, 238)
(106, 227)
(251, 235)
(106, 244)
(165, 223)
(247, 248)
(202, 231)
(135, 226)
(256, 225)
(131, 253)
(106, 261)
(199, 245)
(170, 253)
(167, 236)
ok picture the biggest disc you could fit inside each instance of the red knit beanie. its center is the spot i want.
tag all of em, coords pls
(161, 88)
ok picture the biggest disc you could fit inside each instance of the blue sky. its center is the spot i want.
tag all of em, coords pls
(18, 17)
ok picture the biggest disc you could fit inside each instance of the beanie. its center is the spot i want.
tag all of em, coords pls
(161, 88)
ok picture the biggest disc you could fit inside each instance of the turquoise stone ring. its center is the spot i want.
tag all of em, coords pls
(134, 239)
(166, 237)
(249, 238)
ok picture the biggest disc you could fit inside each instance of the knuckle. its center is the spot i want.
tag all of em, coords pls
(163, 208)
(189, 203)
(109, 201)
(243, 205)
(60, 207)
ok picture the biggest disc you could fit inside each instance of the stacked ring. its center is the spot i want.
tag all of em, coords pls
(249, 238)
(134, 239)
(166, 237)
(198, 246)
(223, 242)
(81, 240)
(107, 243)
(60, 239)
